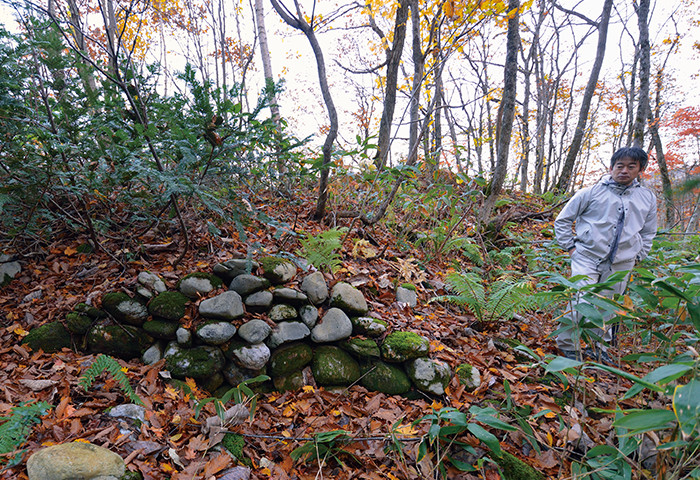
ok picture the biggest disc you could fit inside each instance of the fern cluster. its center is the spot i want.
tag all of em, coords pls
(501, 300)
(321, 250)
(105, 363)
(15, 429)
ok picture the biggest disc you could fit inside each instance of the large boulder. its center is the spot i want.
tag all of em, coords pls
(169, 306)
(246, 284)
(75, 461)
(403, 346)
(286, 332)
(123, 341)
(230, 269)
(50, 337)
(335, 325)
(430, 376)
(225, 306)
(259, 301)
(124, 309)
(383, 377)
(332, 366)
(254, 331)
(315, 287)
(289, 358)
(278, 270)
(349, 299)
(198, 284)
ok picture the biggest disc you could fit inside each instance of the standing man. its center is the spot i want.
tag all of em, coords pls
(606, 228)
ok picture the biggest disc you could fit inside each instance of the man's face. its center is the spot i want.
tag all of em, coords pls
(625, 171)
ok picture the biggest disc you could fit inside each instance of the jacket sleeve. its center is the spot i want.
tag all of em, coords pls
(648, 231)
(563, 225)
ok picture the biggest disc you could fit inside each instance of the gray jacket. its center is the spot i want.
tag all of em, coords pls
(589, 221)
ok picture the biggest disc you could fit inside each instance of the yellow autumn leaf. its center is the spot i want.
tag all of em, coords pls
(406, 430)
(436, 405)
(176, 437)
(288, 412)
(550, 414)
(550, 439)
(20, 332)
(70, 251)
(364, 249)
(307, 389)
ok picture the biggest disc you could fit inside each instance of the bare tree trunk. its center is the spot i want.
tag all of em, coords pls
(506, 110)
(298, 22)
(418, 71)
(644, 69)
(567, 169)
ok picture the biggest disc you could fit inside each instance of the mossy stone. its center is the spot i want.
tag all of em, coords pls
(468, 375)
(194, 363)
(289, 358)
(289, 383)
(50, 337)
(278, 270)
(363, 348)
(159, 328)
(409, 286)
(78, 323)
(383, 377)
(92, 312)
(402, 346)
(515, 469)
(373, 327)
(168, 306)
(334, 366)
(216, 282)
(124, 308)
(123, 341)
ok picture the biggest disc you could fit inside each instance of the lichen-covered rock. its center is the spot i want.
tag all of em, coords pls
(349, 299)
(252, 357)
(225, 306)
(309, 315)
(74, 461)
(407, 295)
(278, 270)
(216, 354)
(215, 332)
(289, 358)
(184, 337)
(152, 354)
(383, 377)
(286, 332)
(282, 313)
(290, 296)
(198, 284)
(332, 366)
(78, 323)
(254, 331)
(230, 269)
(430, 376)
(9, 269)
(123, 341)
(315, 287)
(372, 327)
(129, 410)
(469, 376)
(50, 337)
(163, 329)
(150, 285)
(124, 309)
(259, 301)
(194, 363)
(363, 348)
(335, 325)
(169, 306)
(402, 346)
(246, 284)
(92, 312)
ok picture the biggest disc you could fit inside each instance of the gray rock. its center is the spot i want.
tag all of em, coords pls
(349, 299)
(35, 295)
(372, 327)
(74, 461)
(252, 357)
(226, 306)
(282, 312)
(216, 333)
(230, 269)
(246, 284)
(286, 332)
(407, 296)
(125, 309)
(430, 376)
(153, 354)
(236, 473)
(171, 349)
(254, 331)
(469, 376)
(259, 301)
(278, 270)
(150, 285)
(334, 325)
(129, 410)
(234, 374)
(8, 271)
(309, 315)
(290, 296)
(184, 337)
(315, 287)
(195, 286)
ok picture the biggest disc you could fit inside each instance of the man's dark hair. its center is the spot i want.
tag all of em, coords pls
(635, 153)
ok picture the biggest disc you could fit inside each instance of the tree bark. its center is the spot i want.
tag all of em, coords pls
(565, 177)
(506, 110)
(644, 72)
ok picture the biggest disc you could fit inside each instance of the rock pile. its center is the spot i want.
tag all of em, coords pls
(296, 330)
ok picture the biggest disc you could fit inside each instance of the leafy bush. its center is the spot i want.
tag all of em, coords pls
(15, 429)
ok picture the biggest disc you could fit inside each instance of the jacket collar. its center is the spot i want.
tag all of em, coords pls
(607, 181)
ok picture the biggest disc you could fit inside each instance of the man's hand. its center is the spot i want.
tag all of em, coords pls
(572, 250)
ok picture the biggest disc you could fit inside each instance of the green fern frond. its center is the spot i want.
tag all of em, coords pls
(15, 429)
(105, 363)
(469, 291)
(508, 296)
(321, 250)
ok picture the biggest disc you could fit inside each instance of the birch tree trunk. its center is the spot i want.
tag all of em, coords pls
(644, 72)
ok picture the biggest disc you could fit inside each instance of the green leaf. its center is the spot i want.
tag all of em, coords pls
(561, 363)
(486, 437)
(661, 375)
(645, 420)
(628, 376)
(686, 406)
(494, 422)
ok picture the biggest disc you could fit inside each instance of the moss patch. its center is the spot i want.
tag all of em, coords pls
(168, 306)
(216, 282)
(234, 443)
(385, 378)
(50, 337)
(515, 469)
(409, 286)
(289, 358)
(403, 346)
(78, 323)
(270, 263)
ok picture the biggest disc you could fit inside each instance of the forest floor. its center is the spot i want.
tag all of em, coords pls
(172, 444)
